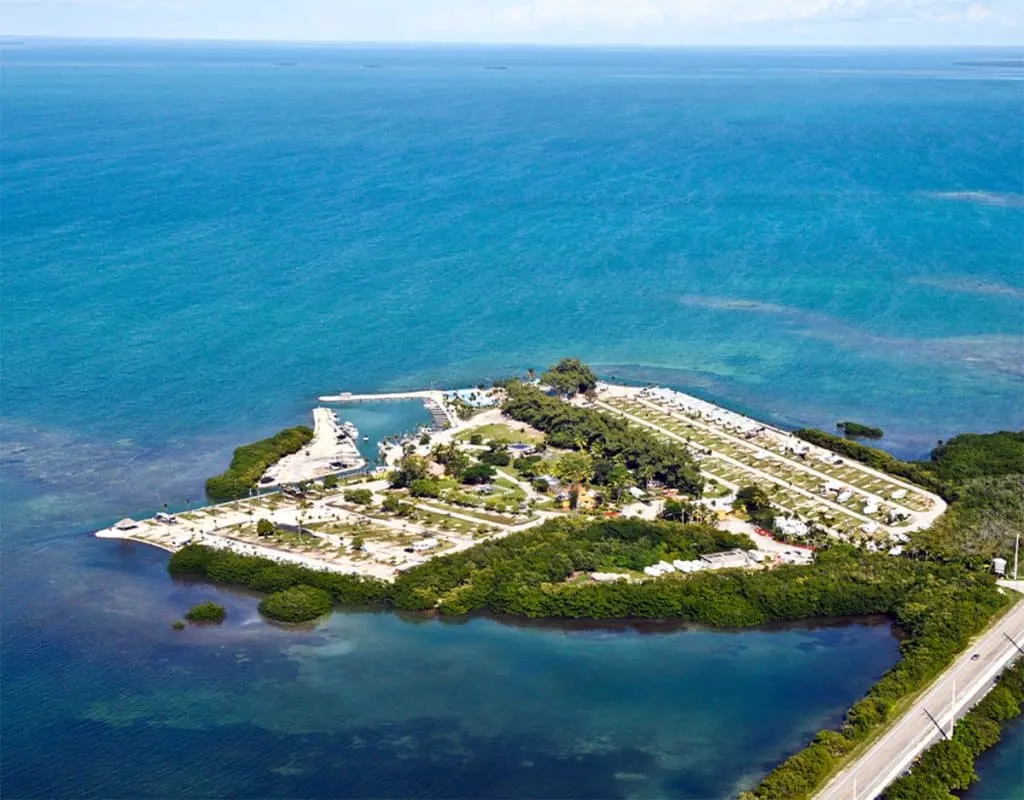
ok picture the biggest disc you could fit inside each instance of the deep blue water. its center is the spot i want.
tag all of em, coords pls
(197, 240)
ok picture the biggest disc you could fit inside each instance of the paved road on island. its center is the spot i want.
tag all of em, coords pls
(891, 755)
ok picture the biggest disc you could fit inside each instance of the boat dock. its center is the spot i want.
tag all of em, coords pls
(332, 450)
(433, 400)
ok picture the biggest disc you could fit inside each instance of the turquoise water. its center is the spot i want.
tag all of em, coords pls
(197, 241)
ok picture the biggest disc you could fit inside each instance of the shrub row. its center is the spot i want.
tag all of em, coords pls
(264, 575)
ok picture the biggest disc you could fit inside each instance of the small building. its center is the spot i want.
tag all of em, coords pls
(899, 494)
(896, 551)
(844, 495)
(424, 544)
(636, 492)
(126, 524)
(729, 559)
(869, 528)
(170, 519)
(608, 577)
(999, 566)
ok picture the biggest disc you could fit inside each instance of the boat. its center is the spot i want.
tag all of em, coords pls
(350, 430)
(366, 438)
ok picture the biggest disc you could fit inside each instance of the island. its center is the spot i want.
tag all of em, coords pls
(565, 496)
(857, 430)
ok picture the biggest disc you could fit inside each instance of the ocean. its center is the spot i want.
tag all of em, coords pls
(199, 239)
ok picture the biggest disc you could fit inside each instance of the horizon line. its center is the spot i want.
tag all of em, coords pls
(7, 40)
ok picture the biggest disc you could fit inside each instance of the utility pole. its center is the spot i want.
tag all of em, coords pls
(1016, 553)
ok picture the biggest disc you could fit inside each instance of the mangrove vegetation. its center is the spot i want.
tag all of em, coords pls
(250, 461)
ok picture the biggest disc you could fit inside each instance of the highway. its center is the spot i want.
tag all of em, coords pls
(955, 691)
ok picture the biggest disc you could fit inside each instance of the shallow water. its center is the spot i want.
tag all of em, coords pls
(197, 243)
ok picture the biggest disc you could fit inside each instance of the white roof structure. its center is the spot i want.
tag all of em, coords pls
(792, 527)
(126, 524)
(636, 492)
(896, 551)
(608, 577)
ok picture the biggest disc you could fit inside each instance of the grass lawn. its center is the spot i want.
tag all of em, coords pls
(500, 432)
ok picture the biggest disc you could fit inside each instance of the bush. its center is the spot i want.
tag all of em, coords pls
(206, 612)
(425, 487)
(178, 625)
(476, 438)
(264, 527)
(330, 482)
(362, 497)
(479, 473)
(296, 604)
(250, 461)
(496, 458)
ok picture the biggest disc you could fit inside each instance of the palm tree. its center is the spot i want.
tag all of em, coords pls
(619, 479)
(574, 469)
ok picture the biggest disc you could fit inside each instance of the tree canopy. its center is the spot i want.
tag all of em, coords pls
(570, 376)
(605, 435)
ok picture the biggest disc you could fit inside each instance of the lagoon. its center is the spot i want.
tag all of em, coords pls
(113, 702)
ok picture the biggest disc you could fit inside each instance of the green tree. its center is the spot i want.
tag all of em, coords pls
(479, 473)
(361, 497)
(425, 487)
(755, 502)
(570, 376)
(449, 456)
(410, 468)
(330, 482)
(575, 469)
(264, 527)
(619, 479)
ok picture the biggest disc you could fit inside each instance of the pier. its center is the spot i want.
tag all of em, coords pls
(433, 399)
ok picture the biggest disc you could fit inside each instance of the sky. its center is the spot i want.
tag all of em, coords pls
(546, 22)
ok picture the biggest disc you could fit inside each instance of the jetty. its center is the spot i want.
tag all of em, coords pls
(433, 399)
